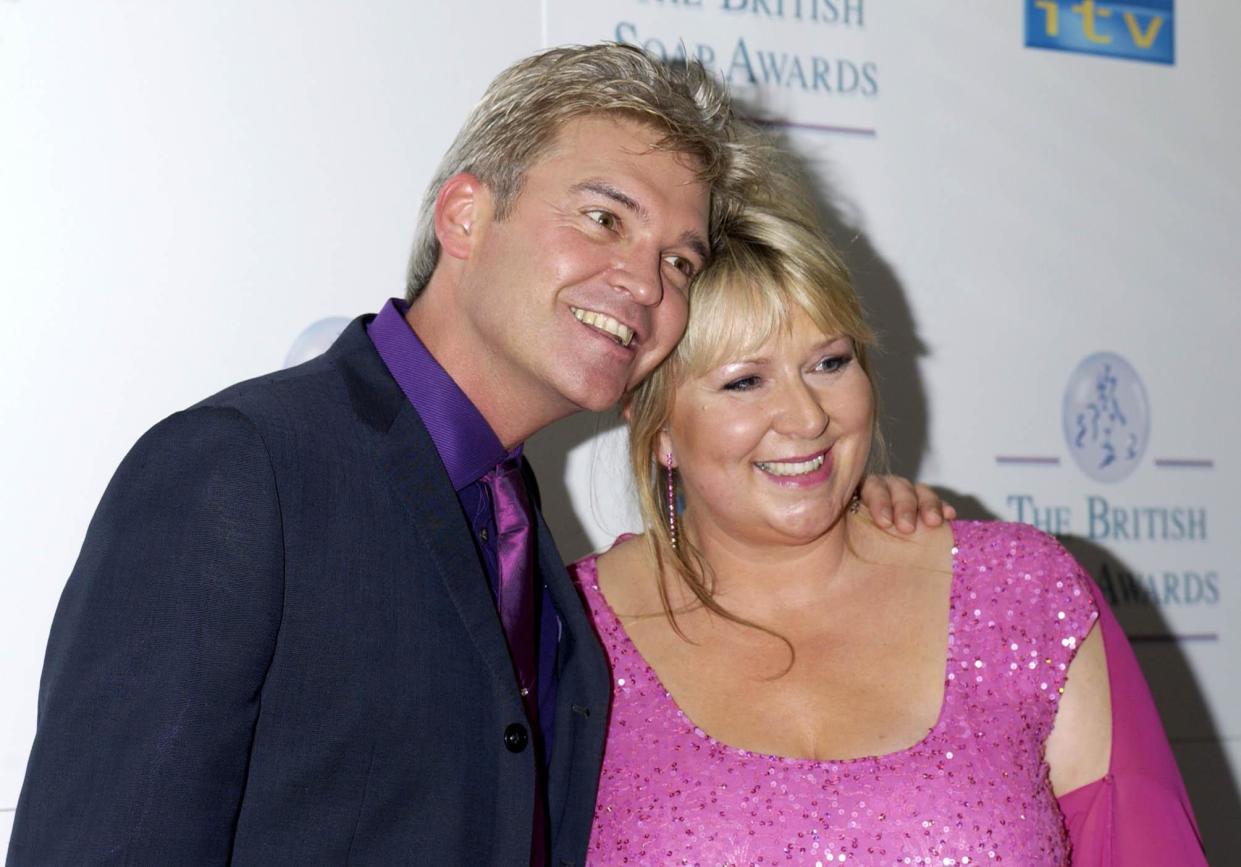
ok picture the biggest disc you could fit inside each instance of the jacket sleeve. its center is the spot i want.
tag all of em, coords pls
(157, 655)
(1139, 813)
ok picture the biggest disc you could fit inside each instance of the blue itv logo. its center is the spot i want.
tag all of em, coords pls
(1136, 30)
(1106, 417)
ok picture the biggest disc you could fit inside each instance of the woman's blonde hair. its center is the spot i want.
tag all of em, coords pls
(774, 260)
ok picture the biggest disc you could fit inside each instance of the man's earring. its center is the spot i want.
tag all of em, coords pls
(672, 501)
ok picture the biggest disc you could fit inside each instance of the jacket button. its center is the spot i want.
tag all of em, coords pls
(516, 737)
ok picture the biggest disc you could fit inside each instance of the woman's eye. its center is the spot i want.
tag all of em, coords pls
(833, 363)
(606, 219)
(745, 383)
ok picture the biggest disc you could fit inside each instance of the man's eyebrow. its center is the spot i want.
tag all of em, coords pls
(603, 188)
(689, 238)
(696, 243)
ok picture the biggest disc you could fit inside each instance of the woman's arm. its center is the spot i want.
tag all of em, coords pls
(1111, 766)
(1080, 744)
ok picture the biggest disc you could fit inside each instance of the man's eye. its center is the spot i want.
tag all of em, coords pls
(682, 264)
(606, 219)
(745, 383)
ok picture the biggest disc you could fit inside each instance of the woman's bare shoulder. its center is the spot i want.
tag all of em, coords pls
(624, 571)
(926, 549)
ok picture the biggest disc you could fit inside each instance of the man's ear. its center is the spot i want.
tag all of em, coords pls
(461, 207)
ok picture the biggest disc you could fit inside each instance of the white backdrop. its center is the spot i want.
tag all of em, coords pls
(188, 187)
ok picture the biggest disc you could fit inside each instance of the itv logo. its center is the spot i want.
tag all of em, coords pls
(1136, 30)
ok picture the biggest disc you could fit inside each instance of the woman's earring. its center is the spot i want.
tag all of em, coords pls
(855, 502)
(672, 502)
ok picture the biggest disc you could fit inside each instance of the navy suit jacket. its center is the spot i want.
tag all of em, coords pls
(278, 646)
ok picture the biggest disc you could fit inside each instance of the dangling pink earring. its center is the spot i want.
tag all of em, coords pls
(672, 503)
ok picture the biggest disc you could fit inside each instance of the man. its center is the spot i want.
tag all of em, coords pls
(317, 618)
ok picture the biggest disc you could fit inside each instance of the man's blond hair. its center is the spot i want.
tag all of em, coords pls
(526, 106)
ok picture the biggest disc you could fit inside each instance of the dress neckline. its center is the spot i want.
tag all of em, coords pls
(670, 706)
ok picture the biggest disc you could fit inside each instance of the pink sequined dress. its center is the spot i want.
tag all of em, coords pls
(974, 791)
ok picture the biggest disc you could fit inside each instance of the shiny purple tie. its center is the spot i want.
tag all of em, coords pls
(515, 599)
(515, 554)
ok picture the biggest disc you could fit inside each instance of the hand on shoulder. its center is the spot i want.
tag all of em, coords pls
(898, 505)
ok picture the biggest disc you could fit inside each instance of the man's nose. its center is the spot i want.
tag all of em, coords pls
(637, 276)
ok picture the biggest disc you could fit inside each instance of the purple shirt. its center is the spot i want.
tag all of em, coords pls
(469, 449)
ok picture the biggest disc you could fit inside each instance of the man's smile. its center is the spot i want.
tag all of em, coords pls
(619, 331)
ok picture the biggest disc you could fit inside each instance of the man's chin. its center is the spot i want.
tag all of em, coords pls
(599, 402)
(599, 397)
(593, 390)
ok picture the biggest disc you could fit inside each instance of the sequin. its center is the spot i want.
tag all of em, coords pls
(974, 790)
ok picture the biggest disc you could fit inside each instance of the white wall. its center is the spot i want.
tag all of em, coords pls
(186, 187)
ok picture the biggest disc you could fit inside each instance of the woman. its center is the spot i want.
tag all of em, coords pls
(793, 685)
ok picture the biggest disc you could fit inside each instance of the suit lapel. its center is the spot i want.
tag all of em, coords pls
(582, 694)
(420, 483)
(565, 596)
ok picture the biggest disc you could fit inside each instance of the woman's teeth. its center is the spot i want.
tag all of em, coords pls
(790, 468)
(619, 332)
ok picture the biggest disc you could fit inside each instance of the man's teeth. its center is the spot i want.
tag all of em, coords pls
(620, 332)
(791, 468)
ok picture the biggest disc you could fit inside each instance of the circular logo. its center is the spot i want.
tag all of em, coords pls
(1106, 417)
(315, 340)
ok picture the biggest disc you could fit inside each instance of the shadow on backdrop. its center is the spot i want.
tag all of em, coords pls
(548, 453)
(896, 363)
(1191, 729)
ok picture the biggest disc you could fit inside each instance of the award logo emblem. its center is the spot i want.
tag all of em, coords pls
(1106, 417)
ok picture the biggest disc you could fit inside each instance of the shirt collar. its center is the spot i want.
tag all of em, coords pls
(466, 444)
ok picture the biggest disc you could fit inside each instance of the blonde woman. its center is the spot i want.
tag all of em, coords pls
(792, 684)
